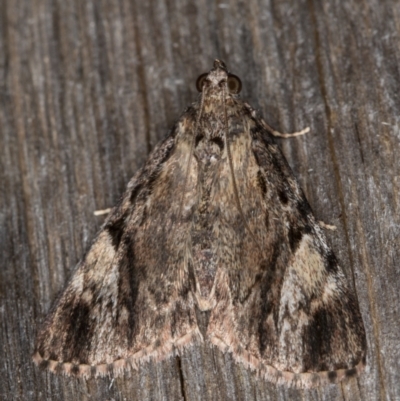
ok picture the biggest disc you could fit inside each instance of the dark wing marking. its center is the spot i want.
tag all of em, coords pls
(289, 312)
(129, 299)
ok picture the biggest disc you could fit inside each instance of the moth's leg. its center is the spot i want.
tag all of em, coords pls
(102, 211)
(327, 226)
(254, 114)
(282, 135)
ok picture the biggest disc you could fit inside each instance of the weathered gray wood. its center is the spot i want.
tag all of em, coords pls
(86, 90)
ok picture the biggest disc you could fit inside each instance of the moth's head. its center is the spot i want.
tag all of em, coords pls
(219, 78)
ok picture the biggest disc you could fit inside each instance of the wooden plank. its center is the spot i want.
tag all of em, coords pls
(87, 88)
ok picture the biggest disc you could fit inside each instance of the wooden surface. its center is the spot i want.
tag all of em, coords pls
(88, 87)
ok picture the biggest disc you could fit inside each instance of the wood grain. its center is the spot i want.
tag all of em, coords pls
(87, 88)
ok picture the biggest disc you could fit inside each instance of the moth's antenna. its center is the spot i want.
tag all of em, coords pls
(199, 114)
(235, 188)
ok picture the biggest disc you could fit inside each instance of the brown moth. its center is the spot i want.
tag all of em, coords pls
(215, 220)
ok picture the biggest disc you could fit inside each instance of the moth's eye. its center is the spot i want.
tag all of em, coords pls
(200, 81)
(234, 84)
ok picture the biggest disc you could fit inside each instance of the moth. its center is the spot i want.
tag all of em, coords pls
(214, 221)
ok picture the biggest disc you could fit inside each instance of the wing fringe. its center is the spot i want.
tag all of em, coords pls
(117, 367)
(306, 380)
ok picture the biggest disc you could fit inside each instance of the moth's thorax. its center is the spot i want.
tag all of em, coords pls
(211, 131)
(215, 96)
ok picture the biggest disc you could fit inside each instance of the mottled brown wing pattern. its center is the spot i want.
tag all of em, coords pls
(288, 311)
(130, 297)
(215, 220)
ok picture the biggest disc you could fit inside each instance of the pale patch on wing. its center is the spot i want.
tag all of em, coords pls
(291, 323)
(331, 289)
(308, 266)
(98, 260)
